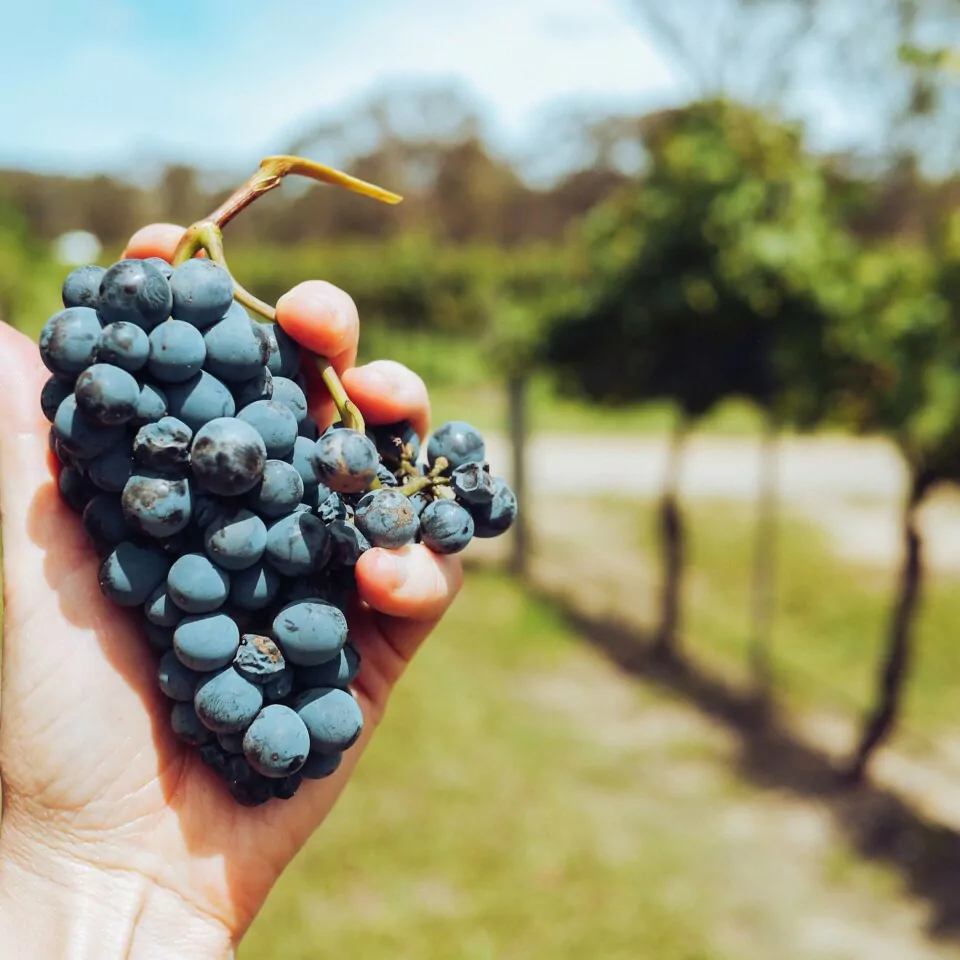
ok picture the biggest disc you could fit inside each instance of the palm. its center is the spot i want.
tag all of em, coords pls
(89, 762)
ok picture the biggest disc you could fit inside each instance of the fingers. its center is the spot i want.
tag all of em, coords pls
(413, 582)
(322, 319)
(157, 240)
(386, 391)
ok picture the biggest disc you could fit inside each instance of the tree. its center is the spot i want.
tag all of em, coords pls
(701, 282)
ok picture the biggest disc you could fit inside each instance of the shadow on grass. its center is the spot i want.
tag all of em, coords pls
(878, 824)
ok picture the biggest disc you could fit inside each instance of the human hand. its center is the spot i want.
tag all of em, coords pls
(116, 840)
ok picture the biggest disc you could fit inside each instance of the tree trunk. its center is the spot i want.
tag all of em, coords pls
(518, 429)
(763, 592)
(673, 547)
(881, 721)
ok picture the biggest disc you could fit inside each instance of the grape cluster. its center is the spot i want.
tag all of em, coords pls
(228, 519)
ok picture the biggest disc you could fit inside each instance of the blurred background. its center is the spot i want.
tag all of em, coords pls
(695, 270)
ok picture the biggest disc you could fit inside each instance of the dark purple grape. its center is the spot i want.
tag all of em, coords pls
(386, 519)
(164, 446)
(346, 460)
(228, 457)
(136, 292)
(202, 292)
(69, 340)
(124, 345)
(446, 527)
(458, 442)
(82, 286)
(107, 395)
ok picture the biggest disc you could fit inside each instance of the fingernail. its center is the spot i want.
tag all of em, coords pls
(390, 570)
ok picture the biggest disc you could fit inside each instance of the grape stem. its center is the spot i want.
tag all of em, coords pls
(207, 235)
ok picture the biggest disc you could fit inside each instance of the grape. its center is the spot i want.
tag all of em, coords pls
(258, 659)
(209, 509)
(187, 725)
(287, 787)
(103, 521)
(131, 573)
(250, 391)
(125, 345)
(213, 756)
(75, 489)
(136, 292)
(338, 672)
(346, 460)
(276, 743)
(420, 501)
(458, 442)
(319, 766)
(298, 544)
(288, 393)
(236, 539)
(151, 406)
(275, 423)
(160, 609)
(200, 400)
(386, 519)
(279, 492)
(472, 483)
(284, 356)
(202, 292)
(226, 702)
(332, 717)
(386, 476)
(111, 470)
(107, 395)
(308, 428)
(82, 286)
(446, 527)
(333, 508)
(54, 392)
(250, 792)
(177, 681)
(68, 341)
(496, 517)
(234, 351)
(310, 631)
(304, 462)
(396, 441)
(196, 584)
(159, 638)
(165, 268)
(255, 587)
(280, 687)
(157, 505)
(206, 642)
(349, 544)
(231, 742)
(78, 436)
(164, 446)
(228, 457)
(177, 352)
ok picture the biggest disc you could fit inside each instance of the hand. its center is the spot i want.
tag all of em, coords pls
(115, 838)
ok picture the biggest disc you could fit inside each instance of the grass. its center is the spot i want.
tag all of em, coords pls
(830, 618)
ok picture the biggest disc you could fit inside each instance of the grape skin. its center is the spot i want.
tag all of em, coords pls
(338, 672)
(160, 609)
(79, 436)
(103, 521)
(258, 659)
(255, 587)
(283, 359)
(124, 345)
(228, 457)
(298, 544)
(199, 400)
(107, 395)
(256, 388)
(75, 490)
(196, 584)
(346, 460)
(319, 766)
(206, 642)
(164, 446)
(177, 352)
(54, 392)
(69, 340)
(310, 632)
(459, 442)
(151, 406)
(157, 505)
(349, 544)
(236, 540)
(472, 483)
(276, 425)
(177, 681)
(226, 702)
(187, 726)
(136, 292)
(202, 292)
(287, 392)
(234, 350)
(279, 492)
(496, 517)
(276, 744)
(332, 717)
(111, 470)
(82, 286)
(446, 527)
(131, 573)
(386, 519)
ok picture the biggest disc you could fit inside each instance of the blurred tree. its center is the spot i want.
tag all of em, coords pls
(705, 281)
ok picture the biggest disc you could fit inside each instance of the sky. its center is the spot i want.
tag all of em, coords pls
(117, 85)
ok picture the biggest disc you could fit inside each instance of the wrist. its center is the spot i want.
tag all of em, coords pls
(57, 907)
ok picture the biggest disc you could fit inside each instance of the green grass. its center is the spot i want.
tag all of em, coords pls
(830, 620)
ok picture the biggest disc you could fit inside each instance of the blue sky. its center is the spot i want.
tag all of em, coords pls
(106, 84)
